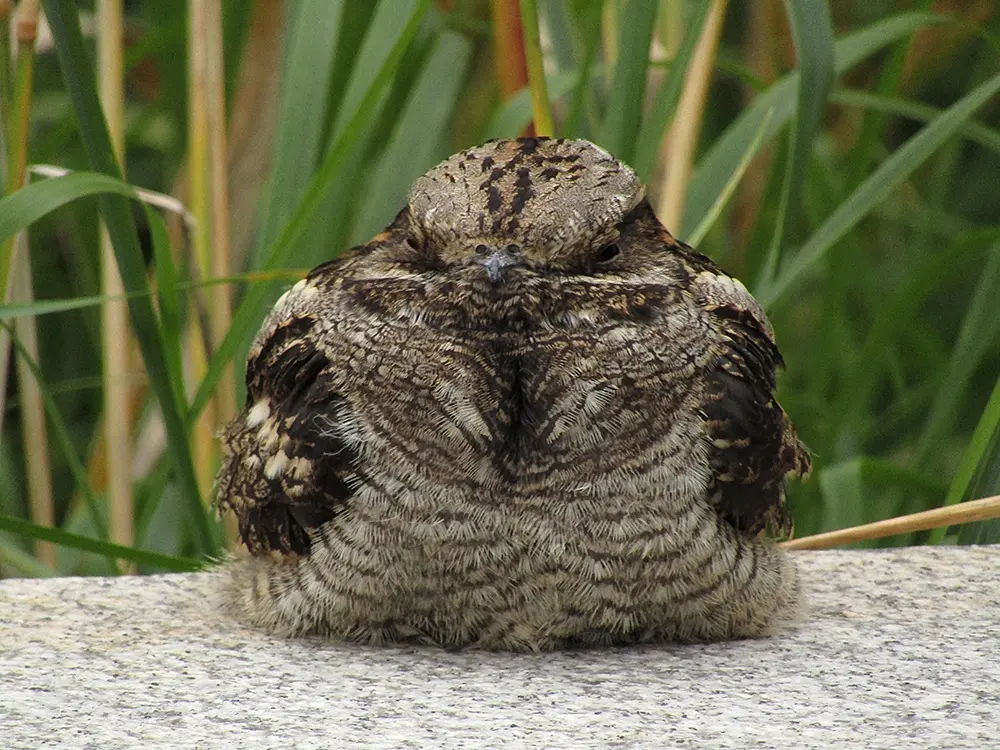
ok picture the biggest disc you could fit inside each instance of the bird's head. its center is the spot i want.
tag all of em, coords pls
(539, 203)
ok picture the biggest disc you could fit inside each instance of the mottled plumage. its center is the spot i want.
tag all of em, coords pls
(524, 416)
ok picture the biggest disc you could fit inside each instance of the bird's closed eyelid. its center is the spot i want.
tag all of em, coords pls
(417, 253)
(422, 248)
(607, 252)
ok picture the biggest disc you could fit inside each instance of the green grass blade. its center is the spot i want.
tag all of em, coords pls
(107, 549)
(867, 147)
(628, 87)
(975, 132)
(62, 435)
(541, 107)
(24, 207)
(877, 186)
(579, 122)
(310, 51)
(977, 340)
(168, 299)
(843, 496)
(856, 491)
(661, 114)
(812, 31)
(986, 481)
(557, 20)
(895, 313)
(47, 306)
(714, 169)
(710, 218)
(338, 205)
(380, 44)
(77, 71)
(984, 438)
(12, 556)
(248, 314)
(513, 115)
(417, 139)
(355, 23)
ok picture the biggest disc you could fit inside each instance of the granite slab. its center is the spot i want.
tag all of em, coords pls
(900, 649)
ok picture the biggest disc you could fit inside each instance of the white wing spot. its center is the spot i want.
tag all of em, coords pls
(299, 467)
(275, 465)
(258, 413)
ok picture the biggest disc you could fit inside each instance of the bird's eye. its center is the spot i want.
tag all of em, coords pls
(413, 243)
(606, 253)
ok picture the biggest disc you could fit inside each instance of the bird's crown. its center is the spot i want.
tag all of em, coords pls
(538, 200)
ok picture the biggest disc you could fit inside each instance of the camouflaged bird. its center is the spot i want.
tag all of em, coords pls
(522, 417)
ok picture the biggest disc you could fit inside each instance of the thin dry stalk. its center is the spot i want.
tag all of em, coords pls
(677, 154)
(33, 428)
(13, 123)
(508, 46)
(199, 195)
(610, 16)
(6, 8)
(220, 311)
(200, 203)
(251, 130)
(34, 432)
(984, 509)
(532, 46)
(114, 314)
(25, 33)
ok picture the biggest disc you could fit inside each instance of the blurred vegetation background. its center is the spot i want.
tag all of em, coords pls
(843, 159)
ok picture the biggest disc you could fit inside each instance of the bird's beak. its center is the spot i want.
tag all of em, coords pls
(496, 260)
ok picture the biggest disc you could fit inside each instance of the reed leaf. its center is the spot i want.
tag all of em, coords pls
(713, 170)
(875, 188)
(77, 71)
(97, 546)
(628, 85)
(812, 31)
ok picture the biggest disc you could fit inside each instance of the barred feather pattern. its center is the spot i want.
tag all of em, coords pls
(580, 448)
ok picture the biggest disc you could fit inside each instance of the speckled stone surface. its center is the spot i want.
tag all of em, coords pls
(900, 649)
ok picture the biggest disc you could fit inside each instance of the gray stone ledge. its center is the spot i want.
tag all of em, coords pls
(900, 649)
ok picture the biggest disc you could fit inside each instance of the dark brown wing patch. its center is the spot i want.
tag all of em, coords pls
(290, 459)
(754, 447)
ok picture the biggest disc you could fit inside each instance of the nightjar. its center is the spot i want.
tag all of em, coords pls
(523, 417)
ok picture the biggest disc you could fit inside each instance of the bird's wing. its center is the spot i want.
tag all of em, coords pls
(753, 444)
(291, 459)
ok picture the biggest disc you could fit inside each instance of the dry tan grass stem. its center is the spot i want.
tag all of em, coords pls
(983, 509)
